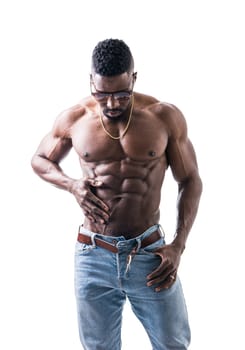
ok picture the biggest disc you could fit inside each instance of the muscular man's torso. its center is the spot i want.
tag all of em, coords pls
(132, 168)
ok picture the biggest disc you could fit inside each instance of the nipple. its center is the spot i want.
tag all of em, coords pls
(152, 153)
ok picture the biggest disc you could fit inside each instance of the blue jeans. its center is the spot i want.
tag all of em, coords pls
(104, 279)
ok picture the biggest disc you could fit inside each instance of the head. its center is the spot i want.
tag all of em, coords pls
(112, 76)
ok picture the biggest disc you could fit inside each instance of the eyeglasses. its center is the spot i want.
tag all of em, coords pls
(103, 96)
(100, 96)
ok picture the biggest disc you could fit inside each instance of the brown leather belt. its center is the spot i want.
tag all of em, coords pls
(82, 238)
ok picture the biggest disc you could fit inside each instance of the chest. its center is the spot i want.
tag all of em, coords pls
(143, 141)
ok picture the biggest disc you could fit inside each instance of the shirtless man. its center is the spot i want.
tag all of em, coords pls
(125, 142)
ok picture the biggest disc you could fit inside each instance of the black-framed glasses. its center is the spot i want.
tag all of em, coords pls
(101, 96)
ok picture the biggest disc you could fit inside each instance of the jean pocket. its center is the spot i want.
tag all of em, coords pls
(150, 248)
(83, 248)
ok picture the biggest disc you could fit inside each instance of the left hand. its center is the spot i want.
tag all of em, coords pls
(165, 275)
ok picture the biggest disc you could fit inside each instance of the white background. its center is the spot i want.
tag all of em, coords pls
(190, 53)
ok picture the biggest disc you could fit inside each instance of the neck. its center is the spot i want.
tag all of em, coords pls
(117, 137)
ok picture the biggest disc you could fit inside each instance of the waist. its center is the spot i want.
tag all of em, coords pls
(149, 236)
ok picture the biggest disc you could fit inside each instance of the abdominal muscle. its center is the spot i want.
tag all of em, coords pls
(132, 190)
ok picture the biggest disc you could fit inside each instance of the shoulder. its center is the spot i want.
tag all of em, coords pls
(173, 118)
(68, 118)
(166, 113)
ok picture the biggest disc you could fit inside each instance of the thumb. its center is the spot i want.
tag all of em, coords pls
(94, 182)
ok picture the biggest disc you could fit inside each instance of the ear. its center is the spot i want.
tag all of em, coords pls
(135, 76)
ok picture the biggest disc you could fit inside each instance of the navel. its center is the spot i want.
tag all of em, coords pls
(85, 154)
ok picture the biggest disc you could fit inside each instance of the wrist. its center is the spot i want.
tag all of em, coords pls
(179, 244)
(70, 185)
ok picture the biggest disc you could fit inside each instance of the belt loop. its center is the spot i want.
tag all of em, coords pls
(93, 240)
(137, 248)
(161, 231)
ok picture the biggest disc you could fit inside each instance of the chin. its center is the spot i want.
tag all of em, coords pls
(113, 115)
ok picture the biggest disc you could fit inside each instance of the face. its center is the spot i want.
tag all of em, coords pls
(113, 93)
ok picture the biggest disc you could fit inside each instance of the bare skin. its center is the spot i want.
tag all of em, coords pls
(119, 192)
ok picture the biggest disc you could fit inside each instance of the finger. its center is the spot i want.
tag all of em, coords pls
(86, 212)
(163, 266)
(99, 215)
(167, 283)
(94, 182)
(86, 197)
(90, 217)
(97, 201)
(94, 214)
(164, 275)
(86, 185)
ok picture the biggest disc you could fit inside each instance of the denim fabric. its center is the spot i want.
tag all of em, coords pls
(103, 281)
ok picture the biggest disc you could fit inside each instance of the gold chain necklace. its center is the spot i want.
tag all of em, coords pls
(126, 127)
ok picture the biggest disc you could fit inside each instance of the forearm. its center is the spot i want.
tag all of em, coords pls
(51, 172)
(188, 202)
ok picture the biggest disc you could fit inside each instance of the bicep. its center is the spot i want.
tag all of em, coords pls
(181, 158)
(180, 151)
(53, 148)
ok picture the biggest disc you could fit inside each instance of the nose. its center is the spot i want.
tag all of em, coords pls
(112, 102)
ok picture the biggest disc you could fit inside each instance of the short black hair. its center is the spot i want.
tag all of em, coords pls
(112, 57)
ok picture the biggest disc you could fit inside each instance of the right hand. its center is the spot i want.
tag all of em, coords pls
(93, 207)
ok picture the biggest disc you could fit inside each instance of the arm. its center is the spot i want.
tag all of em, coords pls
(182, 160)
(46, 159)
(46, 164)
(53, 148)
